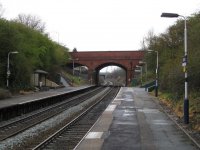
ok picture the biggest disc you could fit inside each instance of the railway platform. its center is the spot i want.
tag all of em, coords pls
(14, 100)
(135, 121)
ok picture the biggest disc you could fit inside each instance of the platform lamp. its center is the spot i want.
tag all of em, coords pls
(184, 64)
(144, 63)
(156, 88)
(8, 67)
(73, 63)
(140, 72)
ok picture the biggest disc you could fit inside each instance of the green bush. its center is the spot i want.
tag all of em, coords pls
(36, 51)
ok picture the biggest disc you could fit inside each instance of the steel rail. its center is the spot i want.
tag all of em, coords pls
(71, 123)
(9, 129)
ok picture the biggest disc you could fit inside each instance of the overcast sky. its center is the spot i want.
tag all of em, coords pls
(91, 25)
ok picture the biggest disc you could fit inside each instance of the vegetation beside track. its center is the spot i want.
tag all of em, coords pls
(170, 47)
(176, 107)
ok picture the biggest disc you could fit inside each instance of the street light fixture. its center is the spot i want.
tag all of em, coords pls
(73, 63)
(144, 63)
(140, 72)
(8, 67)
(156, 89)
(184, 64)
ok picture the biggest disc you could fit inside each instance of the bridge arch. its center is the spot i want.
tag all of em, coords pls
(95, 60)
(101, 66)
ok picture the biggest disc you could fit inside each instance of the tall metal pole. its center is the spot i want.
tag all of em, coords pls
(73, 66)
(184, 64)
(186, 101)
(8, 70)
(156, 87)
(140, 73)
(156, 90)
(146, 72)
(144, 63)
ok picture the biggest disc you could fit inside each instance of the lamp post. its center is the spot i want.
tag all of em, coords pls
(156, 89)
(140, 72)
(8, 67)
(184, 64)
(73, 63)
(144, 63)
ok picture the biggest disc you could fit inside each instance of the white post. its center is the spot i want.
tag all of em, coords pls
(8, 70)
(8, 67)
(186, 101)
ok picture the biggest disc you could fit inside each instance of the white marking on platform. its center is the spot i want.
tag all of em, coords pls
(94, 135)
(111, 108)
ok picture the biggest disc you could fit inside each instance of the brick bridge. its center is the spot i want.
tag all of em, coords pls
(96, 60)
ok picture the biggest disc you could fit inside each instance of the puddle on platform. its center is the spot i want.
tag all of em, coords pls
(147, 110)
(128, 113)
(126, 123)
(130, 107)
(161, 122)
(128, 99)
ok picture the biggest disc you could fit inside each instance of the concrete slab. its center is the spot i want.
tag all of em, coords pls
(104, 122)
(91, 144)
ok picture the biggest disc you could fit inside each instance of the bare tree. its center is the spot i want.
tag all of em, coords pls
(33, 22)
(148, 40)
(1, 11)
(75, 50)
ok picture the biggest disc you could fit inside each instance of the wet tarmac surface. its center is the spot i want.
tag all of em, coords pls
(134, 121)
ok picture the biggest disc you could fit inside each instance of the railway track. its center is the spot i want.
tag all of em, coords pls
(69, 135)
(10, 129)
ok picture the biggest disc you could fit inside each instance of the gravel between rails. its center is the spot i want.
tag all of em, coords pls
(18, 140)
